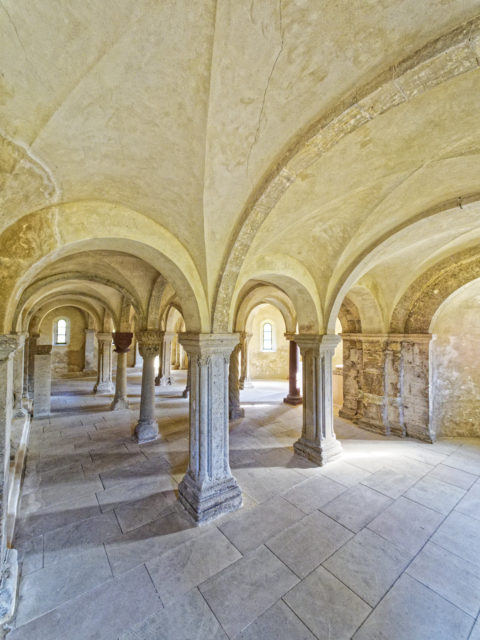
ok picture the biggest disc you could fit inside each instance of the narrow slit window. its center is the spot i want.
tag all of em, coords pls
(267, 337)
(61, 333)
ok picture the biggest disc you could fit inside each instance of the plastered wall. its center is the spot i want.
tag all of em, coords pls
(264, 364)
(455, 371)
(70, 358)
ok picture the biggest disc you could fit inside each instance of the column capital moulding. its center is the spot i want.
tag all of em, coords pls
(122, 341)
(307, 341)
(43, 350)
(8, 345)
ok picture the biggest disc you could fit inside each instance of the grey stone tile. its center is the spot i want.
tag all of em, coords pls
(345, 473)
(460, 534)
(356, 507)
(104, 612)
(470, 504)
(457, 580)
(369, 565)
(189, 618)
(47, 588)
(475, 631)
(307, 543)
(459, 478)
(135, 513)
(79, 536)
(411, 611)
(464, 462)
(243, 591)
(30, 554)
(327, 606)
(277, 623)
(262, 483)
(180, 570)
(152, 539)
(248, 530)
(435, 494)
(49, 517)
(406, 524)
(62, 490)
(314, 493)
(142, 471)
(389, 482)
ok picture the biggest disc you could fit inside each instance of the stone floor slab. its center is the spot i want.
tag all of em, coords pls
(180, 570)
(248, 530)
(326, 606)
(458, 478)
(406, 524)
(275, 624)
(390, 482)
(246, 589)
(314, 493)
(460, 535)
(470, 503)
(411, 611)
(307, 543)
(435, 494)
(356, 507)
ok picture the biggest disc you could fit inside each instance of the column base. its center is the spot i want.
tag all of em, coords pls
(245, 384)
(185, 393)
(20, 413)
(164, 381)
(146, 431)
(293, 400)
(207, 502)
(104, 388)
(119, 404)
(319, 454)
(236, 412)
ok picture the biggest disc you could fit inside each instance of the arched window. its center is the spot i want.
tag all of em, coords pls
(267, 337)
(61, 332)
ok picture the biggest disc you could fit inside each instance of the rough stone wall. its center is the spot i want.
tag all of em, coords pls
(266, 364)
(455, 352)
(371, 379)
(71, 357)
(352, 368)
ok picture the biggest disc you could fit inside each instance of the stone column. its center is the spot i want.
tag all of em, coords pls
(159, 376)
(234, 408)
(244, 382)
(149, 342)
(317, 442)
(8, 346)
(186, 391)
(104, 383)
(165, 379)
(43, 380)
(122, 341)
(18, 375)
(208, 489)
(26, 355)
(32, 347)
(294, 393)
(89, 366)
(176, 353)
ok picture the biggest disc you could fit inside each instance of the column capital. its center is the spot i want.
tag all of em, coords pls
(150, 342)
(104, 336)
(313, 342)
(122, 341)
(208, 343)
(90, 330)
(33, 334)
(43, 350)
(8, 345)
(290, 336)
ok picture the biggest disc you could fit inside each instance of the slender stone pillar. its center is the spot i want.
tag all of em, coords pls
(159, 376)
(104, 383)
(149, 342)
(186, 391)
(165, 378)
(138, 357)
(26, 355)
(89, 366)
(234, 408)
(43, 380)
(8, 346)
(208, 489)
(122, 341)
(244, 382)
(294, 394)
(317, 442)
(18, 374)
(32, 348)
(176, 353)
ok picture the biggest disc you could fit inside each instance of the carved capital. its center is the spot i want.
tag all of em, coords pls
(122, 341)
(104, 337)
(150, 342)
(208, 344)
(43, 349)
(8, 345)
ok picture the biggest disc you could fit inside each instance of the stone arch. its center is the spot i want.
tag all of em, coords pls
(349, 317)
(155, 301)
(42, 311)
(445, 57)
(43, 237)
(266, 293)
(292, 278)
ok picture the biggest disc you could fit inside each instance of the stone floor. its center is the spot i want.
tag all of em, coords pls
(383, 544)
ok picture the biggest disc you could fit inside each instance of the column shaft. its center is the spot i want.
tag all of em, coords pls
(244, 382)
(234, 408)
(89, 366)
(43, 380)
(294, 394)
(122, 341)
(104, 383)
(19, 368)
(208, 489)
(149, 344)
(32, 342)
(317, 442)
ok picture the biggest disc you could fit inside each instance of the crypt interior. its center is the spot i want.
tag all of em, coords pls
(240, 320)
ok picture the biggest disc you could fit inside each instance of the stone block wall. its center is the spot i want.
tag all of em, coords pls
(268, 364)
(70, 358)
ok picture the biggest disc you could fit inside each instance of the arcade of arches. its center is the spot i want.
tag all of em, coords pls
(240, 288)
